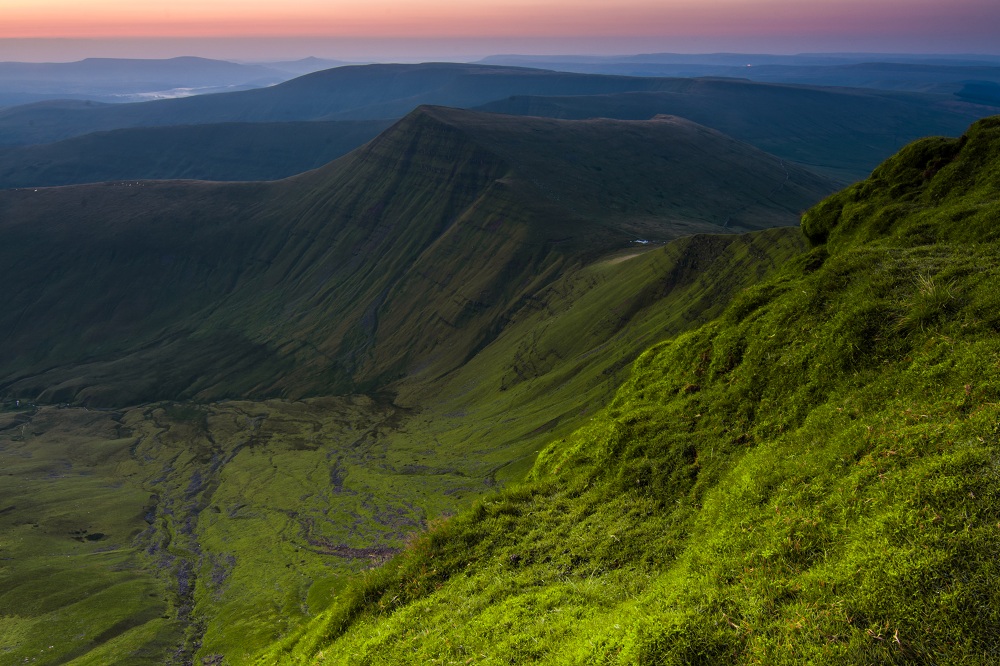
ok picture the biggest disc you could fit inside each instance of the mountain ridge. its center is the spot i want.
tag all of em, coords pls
(356, 92)
(301, 277)
(859, 128)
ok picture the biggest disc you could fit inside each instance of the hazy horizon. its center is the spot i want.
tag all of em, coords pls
(265, 49)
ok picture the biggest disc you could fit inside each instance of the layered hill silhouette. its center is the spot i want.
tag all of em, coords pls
(344, 93)
(407, 255)
(941, 75)
(128, 79)
(265, 135)
(391, 91)
(121, 73)
(844, 132)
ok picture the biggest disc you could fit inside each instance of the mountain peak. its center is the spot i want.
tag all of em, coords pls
(412, 251)
(634, 171)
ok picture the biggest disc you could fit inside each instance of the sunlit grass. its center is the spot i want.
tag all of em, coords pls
(797, 481)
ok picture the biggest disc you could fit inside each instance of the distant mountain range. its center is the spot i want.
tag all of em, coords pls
(742, 59)
(345, 93)
(118, 80)
(845, 133)
(126, 80)
(972, 78)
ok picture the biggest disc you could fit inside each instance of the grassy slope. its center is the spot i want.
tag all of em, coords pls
(243, 519)
(172, 290)
(810, 477)
(227, 151)
(238, 520)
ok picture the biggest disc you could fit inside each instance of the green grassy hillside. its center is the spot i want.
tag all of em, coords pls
(218, 528)
(811, 477)
(800, 467)
(130, 292)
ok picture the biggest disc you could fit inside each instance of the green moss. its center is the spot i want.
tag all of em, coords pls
(936, 190)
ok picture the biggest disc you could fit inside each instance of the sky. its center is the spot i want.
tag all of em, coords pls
(70, 29)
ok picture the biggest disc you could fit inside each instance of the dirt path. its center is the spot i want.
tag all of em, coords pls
(624, 257)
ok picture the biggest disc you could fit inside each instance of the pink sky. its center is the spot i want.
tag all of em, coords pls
(487, 26)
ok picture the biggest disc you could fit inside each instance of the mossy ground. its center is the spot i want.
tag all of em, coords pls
(813, 477)
(151, 534)
(69, 581)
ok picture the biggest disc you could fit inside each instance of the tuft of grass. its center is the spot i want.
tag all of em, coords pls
(932, 300)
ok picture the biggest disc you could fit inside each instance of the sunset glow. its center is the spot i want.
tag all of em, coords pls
(389, 28)
(230, 18)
